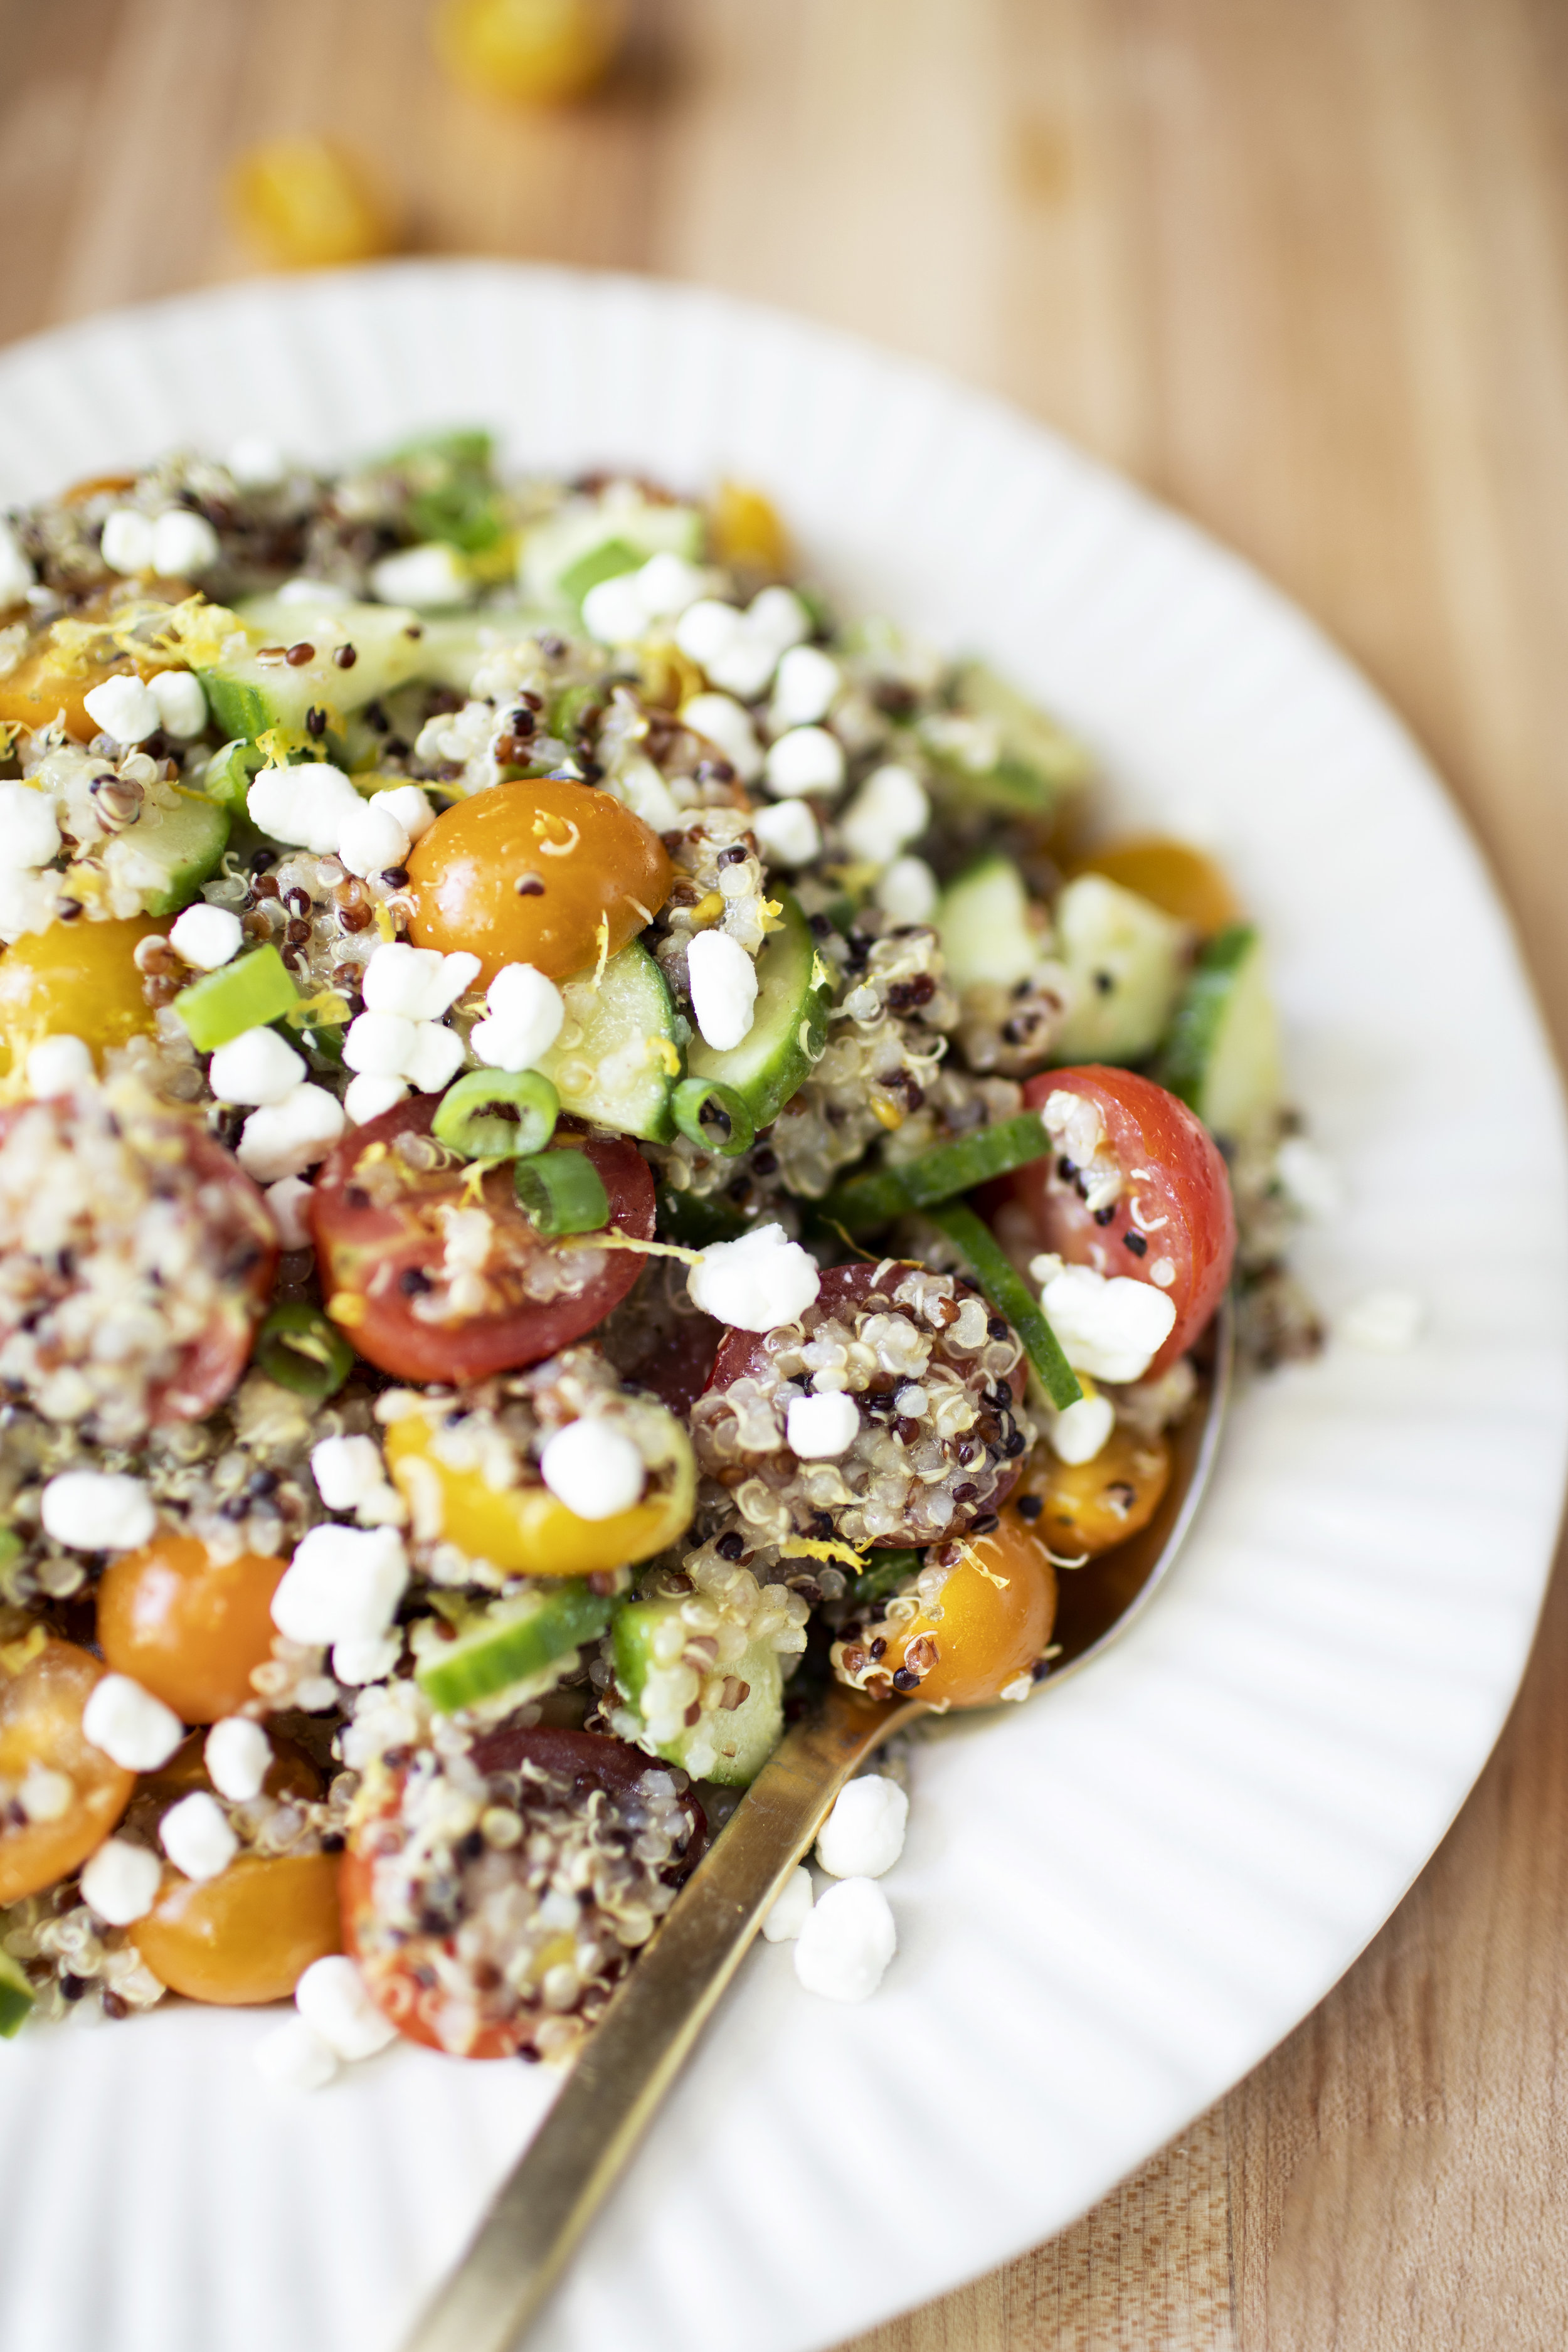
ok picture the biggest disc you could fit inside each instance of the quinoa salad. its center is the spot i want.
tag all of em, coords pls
(586, 1142)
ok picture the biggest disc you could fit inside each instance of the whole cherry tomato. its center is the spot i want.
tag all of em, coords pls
(385, 1220)
(188, 1627)
(1171, 1221)
(541, 872)
(44, 1752)
(989, 1623)
(250, 1934)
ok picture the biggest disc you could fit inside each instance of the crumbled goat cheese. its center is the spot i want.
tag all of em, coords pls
(346, 1469)
(525, 1011)
(306, 806)
(788, 832)
(365, 1098)
(124, 708)
(131, 1726)
(46, 1795)
(15, 572)
(434, 1058)
(365, 1658)
(370, 839)
(847, 1941)
(821, 1428)
(293, 2057)
(419, 984)
(238, 1754)
(57, 1065)
(342, 1585)
(126, 540)
(121, 1883)
(776, 617)
(889, 812)
(619, 610)
(29, 837)
(98, 1510)
(205, 937)
(807, 759)
(725, 723)
(432, 576)
(378, 1044)
(288, 1201)
(791, 1908)
(805, 687)
(331, 1997)
(323, 593)
(756, 1282)
(723, 981)
(183, 544)
(411, 806)
(1080, 1430)
(594, 1468)
(256, 463)
(286, 1138)
(1110, 1327)
(864, 1834)
(196, 1837)
(255, 1068)
(181, 705)
(1383, 1322)
(908, 891)
(739, 657)
(1309, 1177)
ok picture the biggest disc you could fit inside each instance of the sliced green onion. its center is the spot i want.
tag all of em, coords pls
(497, 1114)
(298, 1348)
(246, 994)
(229, 773)
(713, 1116)
(1010, 1295)
(17, 1995)
(883, 1574)
(562, 1194)
(867, 1202)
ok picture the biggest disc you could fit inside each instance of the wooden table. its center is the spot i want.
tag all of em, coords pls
(1300, 267)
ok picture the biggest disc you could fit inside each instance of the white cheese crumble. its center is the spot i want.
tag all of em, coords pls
(804, 689)
(293, 2057)
(121, 1883)
(331, 1997)
(791, 1908)
(237, 1754)
(1383, 1322)
(134, 1729)
(723, 981)
(432, 576)
(125, 542)
(98, 1510)
(1309, 1177)
(346, 1469)
(57, 1065)
(183, 544)
(1110, 1327)
(124, 708)
(288, 1200)
(908, 891)
(1080, 1430)
(371, 840)
(889, 812)
(524, 1018)
(342, 1584)
(419, 984)
(788, 832)
(255, 1067)
(756, 1282)
(306, 806)
(805, 760)
(285, 1139)
(196, 1837)
(725, 723)
(365, 1098)
(864, 1834)
(205, 937)
(822, 1427)
(594, 1468)
(847, 1941)
(29, 835)
(181, 705)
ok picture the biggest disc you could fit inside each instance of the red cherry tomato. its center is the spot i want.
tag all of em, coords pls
(382, 1224)
(1174, 1209)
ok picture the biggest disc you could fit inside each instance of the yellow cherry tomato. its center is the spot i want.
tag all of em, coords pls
(41, 1708)
(1087, 1507)
(304, 204)
(748, 532)
(76, 980)
(536, 872)
(1170, 874)
(248, 1935)
(992, 1622)
(527, 1530)
(538, 52)
(188, 1627)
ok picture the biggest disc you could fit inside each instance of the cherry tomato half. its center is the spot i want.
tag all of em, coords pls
(188, 1627)
(994, 1619)
(40, 1731)
(250, 1934)
(526, 873)
(1173, 1223)
(382, 1224)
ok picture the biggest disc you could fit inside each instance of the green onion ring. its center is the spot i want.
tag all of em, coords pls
(692, 1097)
(497, 1114)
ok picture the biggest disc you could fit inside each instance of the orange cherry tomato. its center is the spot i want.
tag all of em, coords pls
(1088, 1507)
(992, 1622)
(40, 1730)
(248, 1935)
(77, 980)
(188, 1627)
(1171, 874)
(531, 873)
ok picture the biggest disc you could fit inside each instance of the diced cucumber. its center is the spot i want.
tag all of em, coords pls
(455, 642)
(727, 1744)
(249, 994)
(996, 751)
(999, 1279)
(16, 1996)
(247, 695)
(511, 1641)
(583, 526)
(874, 1199)
(982, 921)
(168, 853)
(1222, 1055)
(622, 1059)
(1126, 960)
(228, 774)
(454, 494)
(788, 1035)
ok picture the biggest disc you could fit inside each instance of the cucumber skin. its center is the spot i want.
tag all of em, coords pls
(788, 1035)
(867, 1202)
(16, 1997)
(983, 911)
(632, 1635)
(1005, 1289)
(500, 1651)
(199, 861)
(649, 1116)
(1187, 1059)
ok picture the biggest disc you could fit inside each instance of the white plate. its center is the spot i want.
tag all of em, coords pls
(1116, 1900)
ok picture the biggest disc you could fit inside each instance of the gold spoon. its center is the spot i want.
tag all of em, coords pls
(649, 2028)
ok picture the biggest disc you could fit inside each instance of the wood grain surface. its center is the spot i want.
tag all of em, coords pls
(1300, 267)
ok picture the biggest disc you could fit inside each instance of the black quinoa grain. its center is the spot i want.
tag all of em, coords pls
(1135, 1243)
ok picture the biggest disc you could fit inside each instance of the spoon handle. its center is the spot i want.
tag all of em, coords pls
(646, 2032)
